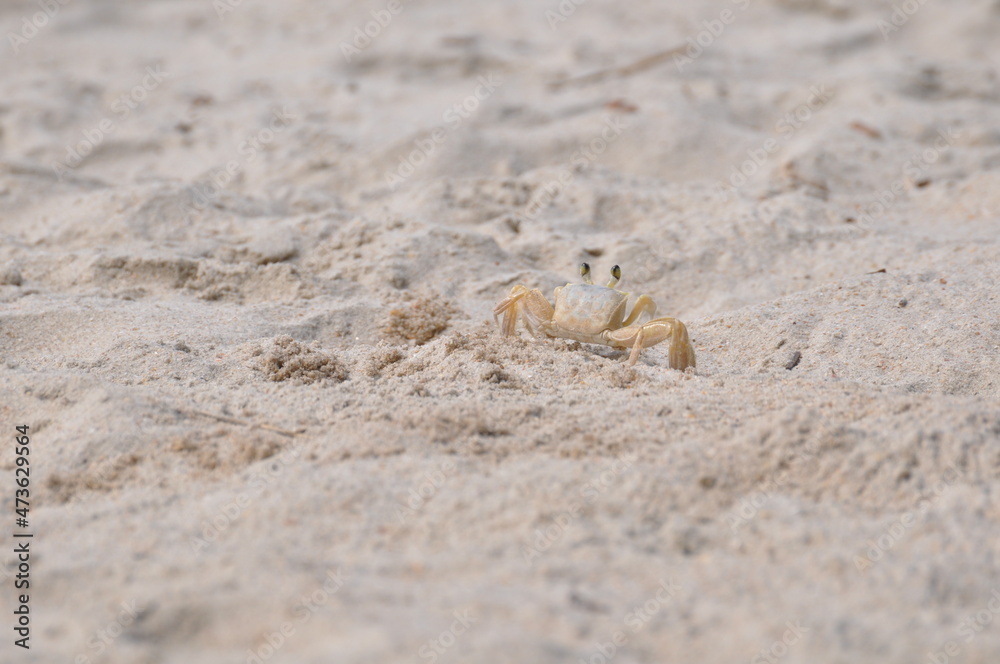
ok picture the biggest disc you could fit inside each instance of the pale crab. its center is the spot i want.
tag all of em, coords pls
(595, 314)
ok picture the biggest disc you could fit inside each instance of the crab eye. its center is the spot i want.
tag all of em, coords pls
(584, 270)
(616, 274)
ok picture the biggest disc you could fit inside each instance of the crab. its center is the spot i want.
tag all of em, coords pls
(595, 314)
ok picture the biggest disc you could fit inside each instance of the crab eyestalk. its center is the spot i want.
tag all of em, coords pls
(585, 273)
(616, 275)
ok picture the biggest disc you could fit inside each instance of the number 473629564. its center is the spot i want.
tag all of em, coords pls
(21, 473)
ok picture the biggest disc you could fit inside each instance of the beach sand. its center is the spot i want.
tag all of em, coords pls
(248, 263)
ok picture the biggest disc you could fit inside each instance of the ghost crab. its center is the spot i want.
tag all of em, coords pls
(595, 314)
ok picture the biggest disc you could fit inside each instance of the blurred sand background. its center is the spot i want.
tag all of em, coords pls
(247, 266)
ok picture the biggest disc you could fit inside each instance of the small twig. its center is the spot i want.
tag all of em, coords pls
(639, 65)
(38, 171)
(233, 420)
(283, 432)
(871, 132)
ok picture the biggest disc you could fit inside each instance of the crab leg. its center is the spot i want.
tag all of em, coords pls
(530, 303)
(681, 353)
(644, 304)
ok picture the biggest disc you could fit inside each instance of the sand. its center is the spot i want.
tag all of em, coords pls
(249, 256)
